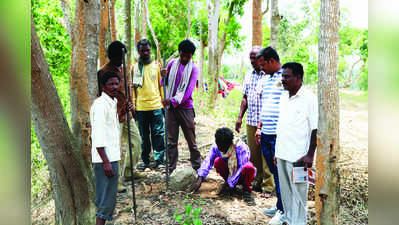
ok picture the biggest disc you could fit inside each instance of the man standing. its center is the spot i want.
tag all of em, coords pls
(182, 75)
(115, 55)
(271, 90)
(296, 140)
(148, 95)
(105, 151)
(231, 160)
(251, 100)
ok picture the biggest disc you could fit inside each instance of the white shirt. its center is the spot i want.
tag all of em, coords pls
(298, 117)
(105, 128)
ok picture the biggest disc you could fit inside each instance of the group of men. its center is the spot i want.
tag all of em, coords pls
(281, 126)
(145, 105)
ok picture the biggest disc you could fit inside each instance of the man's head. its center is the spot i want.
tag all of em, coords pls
(144, 49)
(110, 83)
(224, 139)
(186, 51)
(114, 52)
(252, 57)
(292, 76)
(268, 60)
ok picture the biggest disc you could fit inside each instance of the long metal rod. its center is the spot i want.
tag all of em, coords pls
(128, 134)
(166, 130)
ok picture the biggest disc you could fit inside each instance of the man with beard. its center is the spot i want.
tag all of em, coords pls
(147, 98)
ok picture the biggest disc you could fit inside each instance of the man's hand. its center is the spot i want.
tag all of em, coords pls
(195, 186)
(238, 124)
(307, 160)
(109, 172)
(166, 102)
(257, 137)
(164, 72)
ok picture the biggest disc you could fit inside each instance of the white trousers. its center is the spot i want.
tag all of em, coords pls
(294, 196)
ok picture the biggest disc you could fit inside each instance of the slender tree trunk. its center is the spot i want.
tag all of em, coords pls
(104, 29)
(188, 18)
(350, 79)
(201, 65)
(111, 6)
(327, 186)
(224, 36)
(213, 53)
(66, 10)
(83, 70)
(143, 24)
(71, 177)
(275, 22)
(128, 30)
(257, 23)
(147, 12)
(137, 24)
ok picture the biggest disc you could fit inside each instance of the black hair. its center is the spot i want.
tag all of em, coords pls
(142, 42)
(224, 136)
(187, 46)
(297, 68)
(108, 75)
(268, 53)
(115, 49)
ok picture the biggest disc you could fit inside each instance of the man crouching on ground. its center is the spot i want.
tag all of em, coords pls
(105, 151)
(231, 160)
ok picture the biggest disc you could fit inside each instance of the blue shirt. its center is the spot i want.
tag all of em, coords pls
(271, 90)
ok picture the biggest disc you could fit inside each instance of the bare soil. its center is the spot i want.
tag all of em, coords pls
(154, 206)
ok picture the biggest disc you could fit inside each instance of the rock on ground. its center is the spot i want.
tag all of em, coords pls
(182, 177)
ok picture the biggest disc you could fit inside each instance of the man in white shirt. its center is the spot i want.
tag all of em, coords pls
(105, 151)
(296, 140)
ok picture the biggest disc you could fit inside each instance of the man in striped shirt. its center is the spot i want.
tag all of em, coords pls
(251, 101)
(271, 91)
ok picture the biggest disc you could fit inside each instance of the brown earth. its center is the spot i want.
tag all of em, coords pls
(154, 206)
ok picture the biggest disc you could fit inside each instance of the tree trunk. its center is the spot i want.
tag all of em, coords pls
(224, 36)
(257, 23)
(274, 23)
(137, 25)
(128, 31)
(104, 29)
(188, 19)
(84, 70)
(351, 79)
(147, 12)
(327, 186)
(71, 177)
(143, 24)
(111, 6)
(213, 53)
(201, 64)
(66, 10)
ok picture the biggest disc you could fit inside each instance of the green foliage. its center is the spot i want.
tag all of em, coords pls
(169, 21)
(54, 39)
(191, 213)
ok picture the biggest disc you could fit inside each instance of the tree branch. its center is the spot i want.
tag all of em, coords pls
(267, 8)
(152, 30)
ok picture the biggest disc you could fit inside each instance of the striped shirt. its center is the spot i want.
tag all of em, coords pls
(253, 97)
(271, 89)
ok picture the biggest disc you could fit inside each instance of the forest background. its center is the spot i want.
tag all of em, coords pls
(297, 41)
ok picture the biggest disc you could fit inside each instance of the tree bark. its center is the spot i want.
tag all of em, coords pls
(274, 23)
(188, 18)
(213, 53)
(84, 90)
(327, 181)
(224, 36)
(104, 29)
(147, 13)
(143, 24)
(111, 6)
(128, 31)
(257, 23)
(201, 64)
(71, 177)
(66, 10)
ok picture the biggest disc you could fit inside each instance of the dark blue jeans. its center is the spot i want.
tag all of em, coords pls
(151, 123)
(267, 144)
